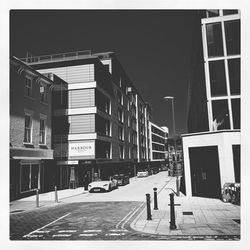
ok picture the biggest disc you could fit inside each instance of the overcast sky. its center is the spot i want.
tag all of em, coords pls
(153, 46)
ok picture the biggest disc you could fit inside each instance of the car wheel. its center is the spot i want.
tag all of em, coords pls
(109, 188)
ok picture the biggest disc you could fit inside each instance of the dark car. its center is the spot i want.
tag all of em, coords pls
(122, 179)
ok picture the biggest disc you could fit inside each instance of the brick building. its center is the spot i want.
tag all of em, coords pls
(31, 156)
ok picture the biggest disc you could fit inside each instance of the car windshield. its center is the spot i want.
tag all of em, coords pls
(118, 177)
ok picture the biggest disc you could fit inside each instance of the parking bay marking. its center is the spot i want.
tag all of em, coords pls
(29, 234)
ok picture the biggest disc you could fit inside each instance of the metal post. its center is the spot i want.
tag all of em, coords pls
(149, 216)
(155, 199)
(172, 212)
(37, 197)
(56, 196)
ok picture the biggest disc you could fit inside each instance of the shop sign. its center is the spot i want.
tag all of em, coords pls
(82, 149)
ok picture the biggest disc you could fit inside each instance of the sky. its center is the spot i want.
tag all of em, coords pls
(153, 46)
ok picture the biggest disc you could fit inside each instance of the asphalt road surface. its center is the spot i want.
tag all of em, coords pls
(90, 216)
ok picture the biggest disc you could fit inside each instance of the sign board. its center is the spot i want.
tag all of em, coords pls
(82, 149)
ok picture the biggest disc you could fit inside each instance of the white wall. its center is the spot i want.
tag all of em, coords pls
(224, 140)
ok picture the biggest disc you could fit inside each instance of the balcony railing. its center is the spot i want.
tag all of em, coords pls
(57, 57)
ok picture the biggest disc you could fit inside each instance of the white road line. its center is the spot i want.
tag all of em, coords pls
(88, 235)
(27, 235)
(118, 230)
(92, 231)
(61, 235)
(42, 232)
(124, 218)
(67, 231)
(115, 234)
(35, 236)
(123, 224)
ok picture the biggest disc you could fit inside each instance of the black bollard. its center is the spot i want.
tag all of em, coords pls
(172, 212)
(155, 199)
(56, 196)
(37, 197)
(149, 216)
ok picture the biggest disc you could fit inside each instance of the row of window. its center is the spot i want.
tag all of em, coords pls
(28, 90)
(215, 13)
(28, 126)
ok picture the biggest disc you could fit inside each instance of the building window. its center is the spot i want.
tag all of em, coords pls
(120, 115)
(28, 86)
(230, 12)
(120, 133)
(121, 151)
(212, 13)
(234, 75)
(220, 115)
(43, 92)
(214, 40)
(119, 97)
(232, 32)
(217, 78)
(29, 177)
(236, 112)
(42, 134)
(28, 128)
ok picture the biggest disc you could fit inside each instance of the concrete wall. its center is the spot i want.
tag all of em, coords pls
(224, 140)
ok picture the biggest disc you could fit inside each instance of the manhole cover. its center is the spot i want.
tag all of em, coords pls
(187, 213)
(237, 221)
(16, 211)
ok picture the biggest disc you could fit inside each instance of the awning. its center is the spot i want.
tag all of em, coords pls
(31, 153)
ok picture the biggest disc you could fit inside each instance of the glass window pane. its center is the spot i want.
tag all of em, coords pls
(230, 12)
(234, 75)
(232, 31)
(236, 113)
(214, 39)
(220, 115)
(34, 175)
(217, 78)
(25, 173)
(212, 13)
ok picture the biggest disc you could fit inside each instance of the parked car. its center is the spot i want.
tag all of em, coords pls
(142, 173)
(122, 179)
(103, 185)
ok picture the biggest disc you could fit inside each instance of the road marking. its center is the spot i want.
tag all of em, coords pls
(42, 232)
(35, 236)
(124, 218)
(115, 234)
(92, 230)
(88, 235)
(27, 235)
(118, 230)
(123, 224)
(61, 235)
(67, 231)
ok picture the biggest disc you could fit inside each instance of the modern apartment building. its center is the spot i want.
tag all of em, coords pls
(100, 122)
(158, 139)
(31, 156)
(212, 147)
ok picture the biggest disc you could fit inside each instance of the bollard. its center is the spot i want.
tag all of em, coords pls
(172, 212)
(177, 186)
(155, 199)
(149, 216)
(56, 196)
(37, 197)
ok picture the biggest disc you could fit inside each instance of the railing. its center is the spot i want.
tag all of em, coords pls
(57, 57)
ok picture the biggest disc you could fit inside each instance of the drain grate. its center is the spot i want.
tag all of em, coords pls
(187, 213)
(237, 221)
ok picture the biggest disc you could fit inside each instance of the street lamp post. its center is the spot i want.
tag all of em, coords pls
(171, 98)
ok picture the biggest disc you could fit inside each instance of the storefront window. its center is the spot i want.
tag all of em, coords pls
(214, 40)
(217, 78)
(34, 176)
(25, 177)
(220, 115)
(212, 13)
(232, 31)
(29, 177)
(234, 75)
(236, 113)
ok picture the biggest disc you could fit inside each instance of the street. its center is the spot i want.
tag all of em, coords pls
(90, 216)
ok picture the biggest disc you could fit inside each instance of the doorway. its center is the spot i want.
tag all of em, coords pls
(205, 171)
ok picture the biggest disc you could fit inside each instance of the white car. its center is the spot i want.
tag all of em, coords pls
(103, 185)
(142, 173)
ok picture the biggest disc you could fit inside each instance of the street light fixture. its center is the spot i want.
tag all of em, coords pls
(171, 98)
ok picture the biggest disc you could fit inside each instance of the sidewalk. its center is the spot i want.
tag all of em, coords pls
(195, 216)
(45, 199)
